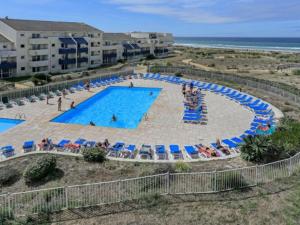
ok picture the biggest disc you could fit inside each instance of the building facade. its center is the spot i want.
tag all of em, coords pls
(29, 47)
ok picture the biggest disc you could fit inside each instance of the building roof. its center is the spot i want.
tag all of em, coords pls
(116, 37)
(37, 25)
(3, 39)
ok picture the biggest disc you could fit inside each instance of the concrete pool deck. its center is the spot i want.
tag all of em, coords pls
(226, 119)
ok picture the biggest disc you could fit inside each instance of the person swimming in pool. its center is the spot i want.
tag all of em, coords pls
(151, 93)
(92, 123)
(113, 118)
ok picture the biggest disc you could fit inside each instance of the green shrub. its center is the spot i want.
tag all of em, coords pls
(178, 74)
(182, 167)
(152, 200)
(40, 169)
(5, 216)
(94, 155)
(150, 57)
(296, 72)
(255, 148)
(8, 176)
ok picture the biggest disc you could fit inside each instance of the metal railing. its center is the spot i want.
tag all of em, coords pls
(16, 94)
(288, 92)
(87, 195)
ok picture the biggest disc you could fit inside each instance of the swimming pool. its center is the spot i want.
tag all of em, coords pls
(6, 124)
(129, 105)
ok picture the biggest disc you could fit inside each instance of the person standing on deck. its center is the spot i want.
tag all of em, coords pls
(59, 102)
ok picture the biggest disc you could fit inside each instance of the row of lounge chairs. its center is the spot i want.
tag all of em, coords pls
(51, 94)
(264, 115)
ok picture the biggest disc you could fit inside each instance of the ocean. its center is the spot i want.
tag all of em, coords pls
(265, 44)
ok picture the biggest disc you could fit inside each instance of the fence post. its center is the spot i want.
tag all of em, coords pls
(290, 167)
(120, 191)
(168, 182)
(8, 205)
(256, 175)
(215, 181)
(66, 197)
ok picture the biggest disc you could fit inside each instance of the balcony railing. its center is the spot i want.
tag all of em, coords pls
(111, 55)
(67, 51)
(82, 60)
(8, 65)
(83, 50)
(67, 61)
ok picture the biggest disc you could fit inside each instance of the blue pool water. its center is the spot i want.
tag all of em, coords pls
(129, 105)
(6, 124)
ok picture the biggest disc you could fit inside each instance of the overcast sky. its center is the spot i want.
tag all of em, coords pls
(238, 18)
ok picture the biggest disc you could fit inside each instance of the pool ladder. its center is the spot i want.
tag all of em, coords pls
(20, 116)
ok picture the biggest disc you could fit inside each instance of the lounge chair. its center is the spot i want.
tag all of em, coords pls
(161, 152)
(61, 145)
(192, 152)
(225, 151)
(29, 146)
(146, 152)
(89, 144)
(42, 97)
(229, 143)
(128, 152)
(176, 152)
(207, 152)
(116, 149)
(7, 151)
(76, 146)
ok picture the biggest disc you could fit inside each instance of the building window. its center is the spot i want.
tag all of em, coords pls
(22, 57)
(22, 68)
(53, 45)
(4, 46)
(22, 35)
(36, 35)
(53, 56)
(53, 67)
(22, 46)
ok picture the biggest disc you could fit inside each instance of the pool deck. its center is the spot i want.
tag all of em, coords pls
(226, 119)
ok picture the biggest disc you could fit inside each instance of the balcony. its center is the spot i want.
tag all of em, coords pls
(83, 50)
(67, 51)
(39, 63)
(66, 61)
(8, 53)
(111, 55)
(82, 60)
(38, 41)
(8, 65)
(38, 52)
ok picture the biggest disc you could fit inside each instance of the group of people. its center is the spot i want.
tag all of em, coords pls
(46, 144)
(104, 144)
(191, 96)
(59, 104)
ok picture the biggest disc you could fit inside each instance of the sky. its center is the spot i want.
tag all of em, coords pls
(209, 18)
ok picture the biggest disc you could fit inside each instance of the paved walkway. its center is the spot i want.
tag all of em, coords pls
(226, 119)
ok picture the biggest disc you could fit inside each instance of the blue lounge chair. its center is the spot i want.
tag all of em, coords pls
(161, 152)
(192, 152)
(29, 146)
(250, 132)
(220, 90)
(175, 151)
(80, 141)
(90, 144)
(246, 101)
(116, 149)
(237, 140)
(61, 145)
(229, 143)
(7, 151)
(253, 104)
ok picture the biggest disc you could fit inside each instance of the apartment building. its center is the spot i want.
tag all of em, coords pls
(8, 58)
(30, 47)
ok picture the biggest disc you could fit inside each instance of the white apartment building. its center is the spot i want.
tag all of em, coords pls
(29, 47)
